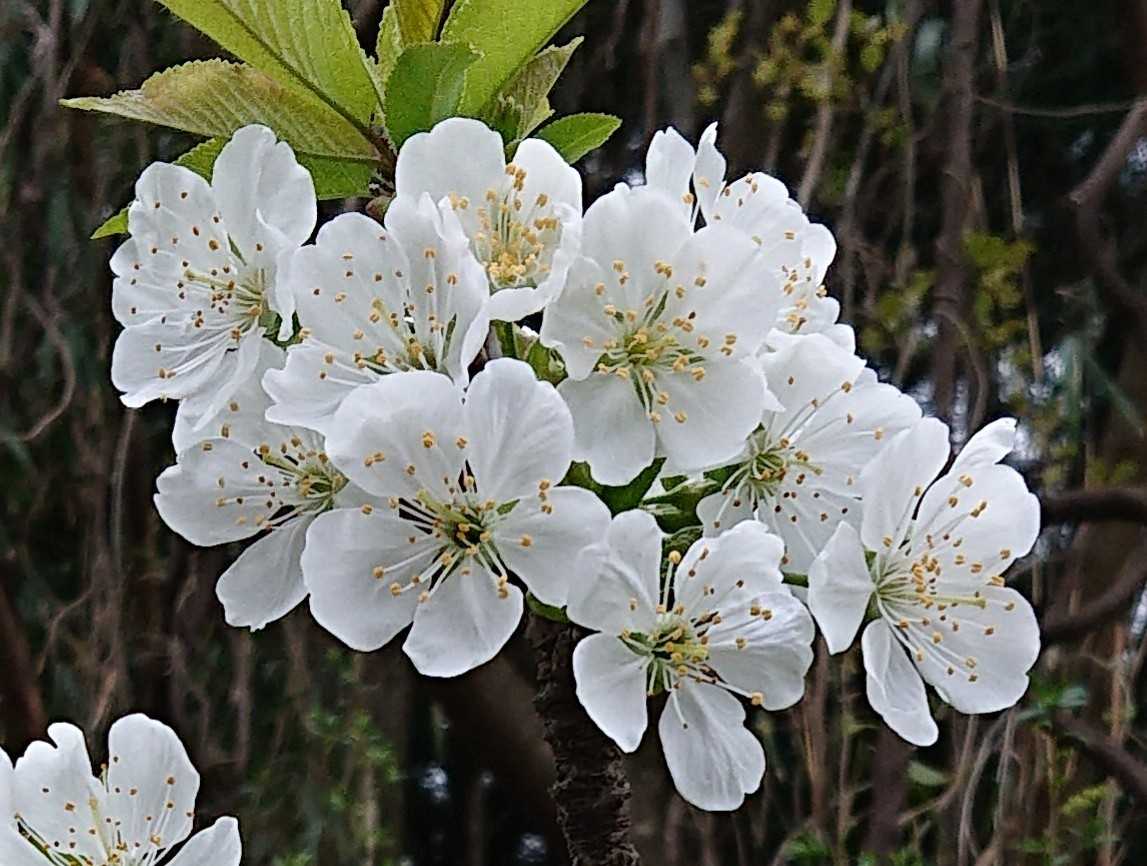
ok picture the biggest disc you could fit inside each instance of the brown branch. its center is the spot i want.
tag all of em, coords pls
(1086, 200)
(822, 131)
(1107, 503)
(950, 296)
(1103, 608)
(1111, 756)
(24, 716)
(592, 791)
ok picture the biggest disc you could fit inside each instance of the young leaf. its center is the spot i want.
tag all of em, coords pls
(113, 225)
(216, 97)
(388, 45)
(522, 105)
(507, 33)
(418, 19)
(576, 135)
(424, 87)
(307, 44)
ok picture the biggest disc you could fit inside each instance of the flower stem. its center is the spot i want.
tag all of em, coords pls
(592, 791)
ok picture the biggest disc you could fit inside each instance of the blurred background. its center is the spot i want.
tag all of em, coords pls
(983, 164)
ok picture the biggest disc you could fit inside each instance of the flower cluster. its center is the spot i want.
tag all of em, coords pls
(377, 409)
(55, 812)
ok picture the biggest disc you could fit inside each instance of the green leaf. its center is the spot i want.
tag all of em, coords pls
(546, 611)
(575, 135)
(425, 87)
(620, 498)
(925, 776)
(216, 97)
(507, 33)
(522, 105)
(306, 44)
(113, 225)
(388, 45)
(418, 19)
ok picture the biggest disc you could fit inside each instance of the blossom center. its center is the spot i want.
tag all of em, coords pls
(514, 236)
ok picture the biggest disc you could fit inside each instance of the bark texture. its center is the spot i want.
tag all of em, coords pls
(592, 790)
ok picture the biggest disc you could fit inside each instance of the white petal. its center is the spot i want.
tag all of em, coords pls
(612, 433)
(185, 364)
(218, 845)
(740, 563)
(520, 431)
(839, 588)
(723, 510)
(768, 655)
(193, 503)
(723, 277)
(344, 552)
(574, 322)
(706, 423)
(458, 155)
(6, 811)
(627, 588)
(616, 229)
(547, 174)
(807, 372)
(243, 418)
(611, 687)
(400, 435)
(713, 759)
(259, 184)
(308, 391)
(15, 850)
(709, 171)
(463, 624)
(266, 582)
(981, 661)
(152, 784)
(553, 551)
(669, 164)
(990, 444)
(238, 367)
(895, 480)
(47, 779)
(894, 688)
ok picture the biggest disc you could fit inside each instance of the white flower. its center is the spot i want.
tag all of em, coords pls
(472, 499)
(721, 625)
(798, 251)
(196, 281)
(799, 470)
(241, 475)
(658, 326)
(138, 809)
(939, 548)
(522, 218)
(373, 301)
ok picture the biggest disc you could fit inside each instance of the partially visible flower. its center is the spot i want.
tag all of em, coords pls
(929, 564)
(139, 807)
(658, 326)
(470, 500)
(799, 470)
(522, 217)
(240, 476)
(196, 284)
(374, 300)
(797, 250)
(721, 626)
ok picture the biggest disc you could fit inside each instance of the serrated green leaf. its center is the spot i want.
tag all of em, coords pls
(306, 44)
(575, 135)
(507, 33)
(216, 97)
(388, 45)
(418, 19)
(620, 498)
(522, 105)
(425, 87)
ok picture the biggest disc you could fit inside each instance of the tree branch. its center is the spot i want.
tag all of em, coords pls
(1108, 503)
(1104, 608)
(592, 791)
(1111, 756)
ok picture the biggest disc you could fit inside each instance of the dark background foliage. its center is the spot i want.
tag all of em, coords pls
(983, 164)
